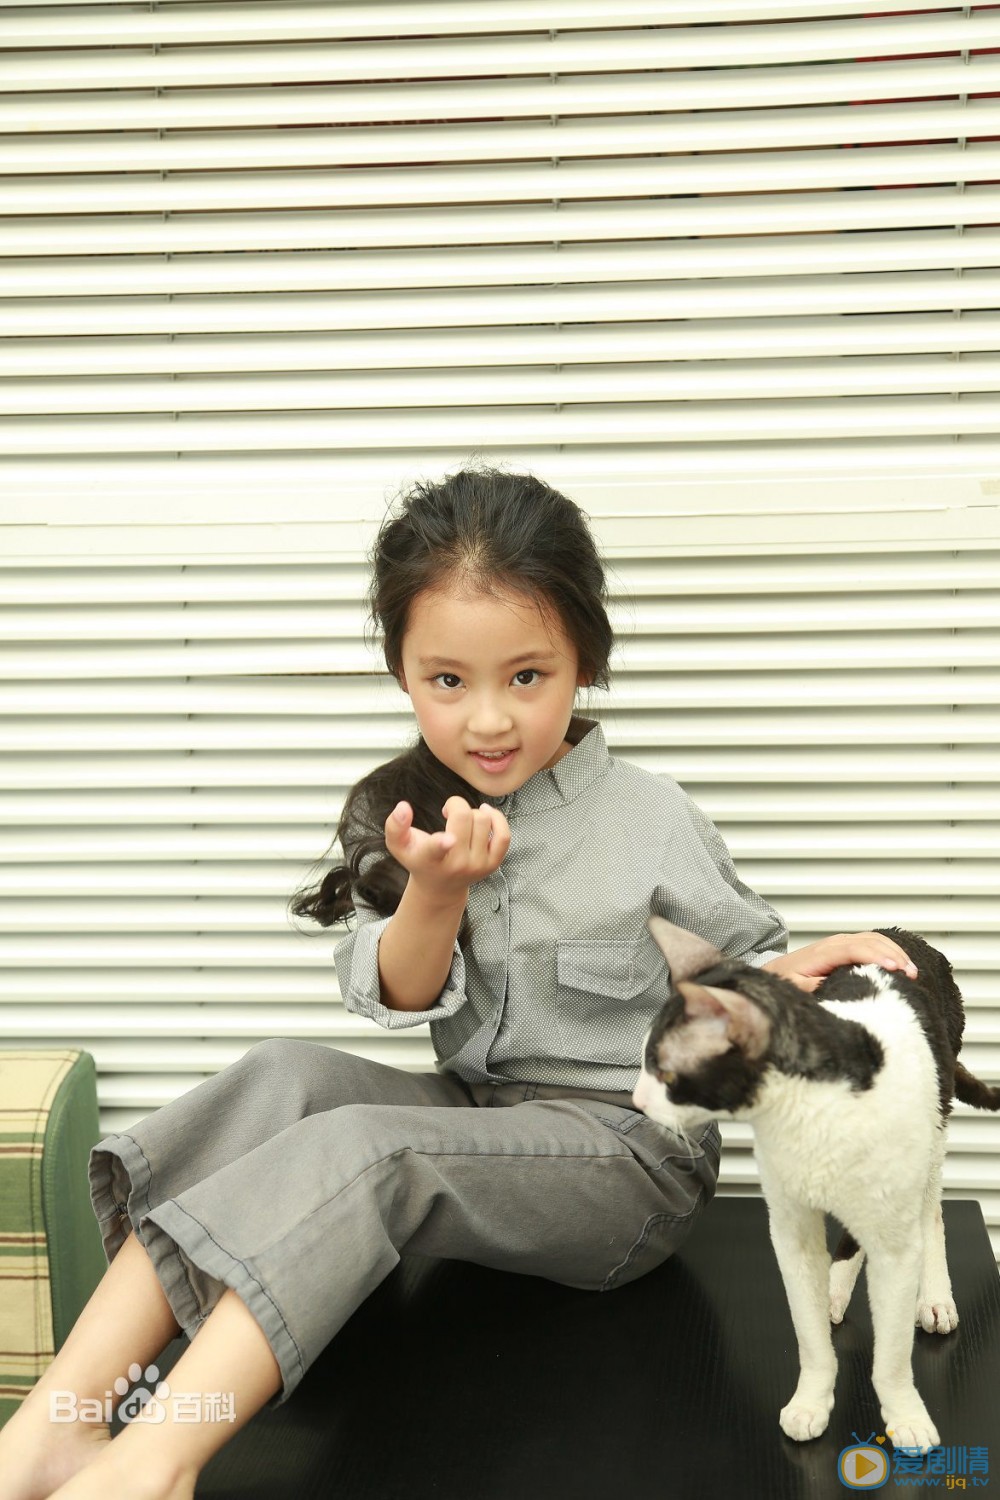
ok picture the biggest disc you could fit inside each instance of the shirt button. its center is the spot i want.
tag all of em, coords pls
(496, 903)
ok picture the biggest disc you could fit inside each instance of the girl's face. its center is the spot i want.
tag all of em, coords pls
(485, 675)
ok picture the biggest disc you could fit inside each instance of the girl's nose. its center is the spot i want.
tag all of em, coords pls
(488, 716)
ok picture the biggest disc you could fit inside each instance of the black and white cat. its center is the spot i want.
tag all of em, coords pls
(847, 1091)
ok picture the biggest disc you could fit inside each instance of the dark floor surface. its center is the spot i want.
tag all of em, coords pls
(455, 1382)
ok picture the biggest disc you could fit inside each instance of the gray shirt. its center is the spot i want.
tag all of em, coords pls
(560, 979)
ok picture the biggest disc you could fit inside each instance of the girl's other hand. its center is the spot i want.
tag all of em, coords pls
(808, 967)
(472, 845)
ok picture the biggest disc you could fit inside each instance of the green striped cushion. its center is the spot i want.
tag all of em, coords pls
(50, 1251)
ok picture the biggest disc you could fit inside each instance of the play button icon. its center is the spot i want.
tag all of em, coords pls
(863, 1467)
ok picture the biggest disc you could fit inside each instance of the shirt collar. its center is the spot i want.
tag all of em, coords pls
(554, 785)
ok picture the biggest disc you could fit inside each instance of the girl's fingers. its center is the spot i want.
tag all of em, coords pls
(458, 820)
(455, 804)
(897, 958)
(891, 956)
(397, 827)
(481, 832)
(499, 841)
(480, 835)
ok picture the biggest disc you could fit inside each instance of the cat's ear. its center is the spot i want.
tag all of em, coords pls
(686, 952)
(746, 1026)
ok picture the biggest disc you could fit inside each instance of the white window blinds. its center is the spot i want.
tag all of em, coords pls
(266, 244)
(727, 273)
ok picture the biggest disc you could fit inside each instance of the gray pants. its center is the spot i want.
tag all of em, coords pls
(300, 1174)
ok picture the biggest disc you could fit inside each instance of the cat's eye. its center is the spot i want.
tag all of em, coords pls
(668, 1078)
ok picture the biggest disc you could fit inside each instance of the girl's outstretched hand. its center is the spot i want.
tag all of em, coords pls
(807, 967)
(444, 865)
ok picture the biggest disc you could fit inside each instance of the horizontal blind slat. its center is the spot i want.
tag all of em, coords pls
(695, 761)
(594, 51)
(776, 215)
(413, 430)
(315, 311)
(732, 381)
(453, 15)
(283, 273)
(637, 134)
(112, 23)
(277, 103)
(793, 337)
(611, 177)
(636, 580)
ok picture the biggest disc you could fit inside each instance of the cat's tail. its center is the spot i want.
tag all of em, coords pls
(972, 1090)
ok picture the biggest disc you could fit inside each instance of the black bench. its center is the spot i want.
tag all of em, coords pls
(454, 1382)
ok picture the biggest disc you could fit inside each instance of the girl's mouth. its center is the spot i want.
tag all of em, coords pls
(493, 763)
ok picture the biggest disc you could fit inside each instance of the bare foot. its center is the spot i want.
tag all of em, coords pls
(37, 1456)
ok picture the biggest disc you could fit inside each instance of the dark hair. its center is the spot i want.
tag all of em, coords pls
(494, 533)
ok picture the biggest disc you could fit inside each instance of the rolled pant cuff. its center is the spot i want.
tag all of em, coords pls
(177, 1237)
(192, 1268)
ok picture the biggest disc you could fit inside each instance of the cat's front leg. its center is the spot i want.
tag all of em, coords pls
(893, 1276)
(799, 1240)
(936, 1310)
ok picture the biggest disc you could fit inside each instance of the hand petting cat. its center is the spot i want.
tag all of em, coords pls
(808, 967)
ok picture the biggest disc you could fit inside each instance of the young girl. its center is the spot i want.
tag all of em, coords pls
(502, 871)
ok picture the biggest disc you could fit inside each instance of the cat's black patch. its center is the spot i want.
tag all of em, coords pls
(728, 1082)
(933, 996)
(847, 1247)
(806, 1041)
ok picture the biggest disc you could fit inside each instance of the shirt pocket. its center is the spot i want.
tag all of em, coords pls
(607, 995)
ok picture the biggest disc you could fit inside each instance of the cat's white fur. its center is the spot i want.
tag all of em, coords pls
(821, 1147)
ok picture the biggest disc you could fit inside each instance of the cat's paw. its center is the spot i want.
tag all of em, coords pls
(801, 1421)
(912, 1429)
(937, 1315)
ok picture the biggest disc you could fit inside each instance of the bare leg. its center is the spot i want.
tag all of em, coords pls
(127, 1321)
(161, 1459)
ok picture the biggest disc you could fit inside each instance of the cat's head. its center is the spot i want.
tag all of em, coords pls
(707, 1052)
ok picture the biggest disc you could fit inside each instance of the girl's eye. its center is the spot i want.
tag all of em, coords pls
(454, 678)
(527, 672)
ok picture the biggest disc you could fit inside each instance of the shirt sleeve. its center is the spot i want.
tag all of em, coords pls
(356, 961)
(719, 906)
